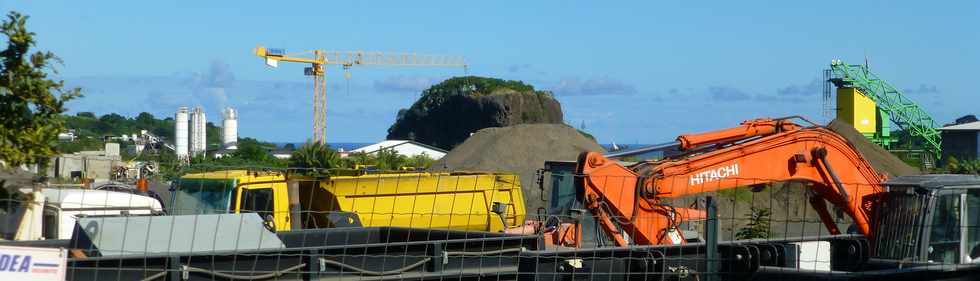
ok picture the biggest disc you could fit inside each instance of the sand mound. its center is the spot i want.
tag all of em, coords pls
(882, 160)
(520, 149)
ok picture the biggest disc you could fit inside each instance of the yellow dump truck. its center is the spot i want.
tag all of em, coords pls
(457, 200)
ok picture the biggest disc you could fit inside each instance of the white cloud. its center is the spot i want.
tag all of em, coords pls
(574, 86)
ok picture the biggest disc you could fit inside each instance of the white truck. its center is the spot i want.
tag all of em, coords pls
(50, 213)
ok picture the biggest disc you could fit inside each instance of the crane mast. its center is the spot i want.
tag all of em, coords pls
(318, 59)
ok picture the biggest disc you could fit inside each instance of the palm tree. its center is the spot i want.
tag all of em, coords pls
(314, 156)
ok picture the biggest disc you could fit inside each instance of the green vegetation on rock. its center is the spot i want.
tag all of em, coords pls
(448, 112)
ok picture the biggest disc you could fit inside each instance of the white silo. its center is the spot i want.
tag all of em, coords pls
(229, 135)
(198, 132)
(180, 133)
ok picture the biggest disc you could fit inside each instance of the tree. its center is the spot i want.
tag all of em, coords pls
(421, 161)
(112, 118)
(252, 150)
(389, 159)
(31, 104)
(145, 119)
(956, 166)
(359, 158)
(314, 155)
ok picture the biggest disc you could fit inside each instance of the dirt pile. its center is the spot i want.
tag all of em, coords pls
(882, 160)
(520, 149)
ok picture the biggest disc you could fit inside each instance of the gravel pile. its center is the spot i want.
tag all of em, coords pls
(882, 160)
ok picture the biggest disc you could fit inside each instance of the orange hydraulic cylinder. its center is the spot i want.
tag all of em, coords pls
(748, 129)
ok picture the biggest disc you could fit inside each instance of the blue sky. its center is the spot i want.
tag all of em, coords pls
(632, 72)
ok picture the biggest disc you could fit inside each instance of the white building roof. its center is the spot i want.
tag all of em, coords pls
(404, 147)
(972, 126)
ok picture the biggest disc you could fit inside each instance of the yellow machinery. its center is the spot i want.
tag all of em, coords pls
(459, 201)
(855, 108)
(318, 59)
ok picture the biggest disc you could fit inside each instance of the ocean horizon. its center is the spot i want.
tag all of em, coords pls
(346, 146)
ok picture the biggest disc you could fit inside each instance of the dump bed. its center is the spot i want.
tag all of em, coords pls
(458, 201)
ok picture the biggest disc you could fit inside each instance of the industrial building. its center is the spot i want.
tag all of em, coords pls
(86, 164)
(961, 141)
(190, 134)
(404, 147)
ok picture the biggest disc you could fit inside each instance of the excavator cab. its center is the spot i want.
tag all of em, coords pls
(567, 215)
(565, 209)
(928, 219)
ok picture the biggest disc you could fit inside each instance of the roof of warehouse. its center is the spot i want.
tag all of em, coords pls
(972, 126)
(393, 143)
(935, 180)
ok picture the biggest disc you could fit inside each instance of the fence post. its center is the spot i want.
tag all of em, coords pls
(711, 240)
(174, 266)
(295, 209)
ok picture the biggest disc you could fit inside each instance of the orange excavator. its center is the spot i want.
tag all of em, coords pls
(628, 201)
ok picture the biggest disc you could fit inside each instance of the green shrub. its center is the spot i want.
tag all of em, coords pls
(758, 226)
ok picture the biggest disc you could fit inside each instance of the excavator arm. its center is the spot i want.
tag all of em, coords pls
(762, 151)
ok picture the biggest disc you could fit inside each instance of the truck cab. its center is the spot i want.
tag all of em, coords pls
(932, 219)
(51, 213)
(234, 191)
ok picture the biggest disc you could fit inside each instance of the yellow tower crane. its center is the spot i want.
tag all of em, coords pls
(318, 59)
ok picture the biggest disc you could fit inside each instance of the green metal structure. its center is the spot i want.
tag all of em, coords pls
(905, 113)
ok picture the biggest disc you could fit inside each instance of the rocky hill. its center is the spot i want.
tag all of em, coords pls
(447, 113)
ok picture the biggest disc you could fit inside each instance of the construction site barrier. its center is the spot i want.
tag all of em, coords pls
(232, 232)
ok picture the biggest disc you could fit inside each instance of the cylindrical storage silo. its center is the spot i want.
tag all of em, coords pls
(198, 132)
(180, 133)
(229, 136)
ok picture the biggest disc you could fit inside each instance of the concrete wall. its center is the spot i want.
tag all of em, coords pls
(91, 165)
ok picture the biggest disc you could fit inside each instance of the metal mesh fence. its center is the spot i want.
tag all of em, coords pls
(225, 223)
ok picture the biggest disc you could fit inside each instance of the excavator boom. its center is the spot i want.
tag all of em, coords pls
(748, 129)
(757, 152)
